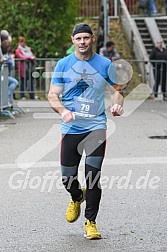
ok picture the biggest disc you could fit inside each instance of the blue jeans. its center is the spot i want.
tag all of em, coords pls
(151, 8)
(166, 8)
(23, 86)
(12, 84)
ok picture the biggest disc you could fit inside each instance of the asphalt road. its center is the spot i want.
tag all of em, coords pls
(132, 216)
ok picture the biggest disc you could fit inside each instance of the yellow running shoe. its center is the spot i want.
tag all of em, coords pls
(91, 230)
(73, 210)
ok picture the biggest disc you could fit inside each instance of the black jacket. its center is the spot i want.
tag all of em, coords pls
(157, 54)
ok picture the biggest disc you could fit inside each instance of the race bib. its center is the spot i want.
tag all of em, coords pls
(85, 107)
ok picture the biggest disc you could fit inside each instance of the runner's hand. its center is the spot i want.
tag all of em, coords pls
(116, 110)
(67, 115)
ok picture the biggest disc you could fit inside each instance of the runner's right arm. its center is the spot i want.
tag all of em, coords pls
(57, 106)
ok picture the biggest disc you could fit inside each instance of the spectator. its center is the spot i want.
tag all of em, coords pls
(9, 60)
(4, 35)
(143, 5)
(25, 68)
(159, 53)
(0, 50)
(166, 6)
(109, 51)
(151, 8)
(70, 50)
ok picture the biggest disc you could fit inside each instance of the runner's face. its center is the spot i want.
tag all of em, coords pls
(83, 42)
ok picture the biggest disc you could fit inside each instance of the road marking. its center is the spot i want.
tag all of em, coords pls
(107, 162)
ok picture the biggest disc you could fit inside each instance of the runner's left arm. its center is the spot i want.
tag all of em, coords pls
(117, 99)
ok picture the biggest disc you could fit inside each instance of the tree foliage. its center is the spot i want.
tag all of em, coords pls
(46, 24)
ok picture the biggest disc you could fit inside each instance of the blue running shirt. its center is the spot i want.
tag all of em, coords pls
(84, 86)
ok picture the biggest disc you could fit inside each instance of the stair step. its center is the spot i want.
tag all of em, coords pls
(149, 47)
(161, 24)
(162, 28)
(149, 51)
(144, 32)
(140, 24)
(146, 44)
(139, 21)
(147, 39)
(163, 34)
(158, 21)
(145, 35)
(143, 29)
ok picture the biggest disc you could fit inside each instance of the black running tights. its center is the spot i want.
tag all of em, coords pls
(72, 147)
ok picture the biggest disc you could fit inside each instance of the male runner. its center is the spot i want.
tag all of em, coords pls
(83, 126)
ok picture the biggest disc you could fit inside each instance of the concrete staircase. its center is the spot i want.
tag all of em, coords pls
(145, 35)
(162, 25)
(151, 29)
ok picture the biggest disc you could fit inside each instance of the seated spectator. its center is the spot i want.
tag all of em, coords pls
(109, 51)
(9, 60)
(25, 68)
(4, 35)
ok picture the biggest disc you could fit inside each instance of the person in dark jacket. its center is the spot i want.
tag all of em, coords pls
(166, 6)
(158, 57)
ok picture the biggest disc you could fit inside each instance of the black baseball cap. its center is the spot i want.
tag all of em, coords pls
(82, 27)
